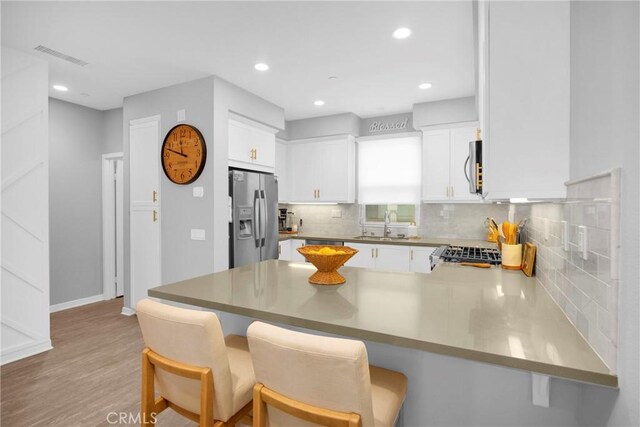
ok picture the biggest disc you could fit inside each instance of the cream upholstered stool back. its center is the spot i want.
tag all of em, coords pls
(322, 372)
(194, 339)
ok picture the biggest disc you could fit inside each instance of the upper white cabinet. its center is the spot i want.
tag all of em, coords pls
(322, 170)
(524, 98)
(282, 171)
(444, 155)
(251, 145)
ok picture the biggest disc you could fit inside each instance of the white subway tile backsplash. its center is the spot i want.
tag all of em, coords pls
(586, 290)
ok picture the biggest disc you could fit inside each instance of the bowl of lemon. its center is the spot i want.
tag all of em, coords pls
(327, 259)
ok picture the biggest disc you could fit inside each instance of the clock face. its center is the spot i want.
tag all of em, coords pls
(184, 154)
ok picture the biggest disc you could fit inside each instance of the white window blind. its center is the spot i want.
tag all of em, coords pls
(389, 170)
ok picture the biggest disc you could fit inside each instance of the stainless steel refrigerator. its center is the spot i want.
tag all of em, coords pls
(253, 227)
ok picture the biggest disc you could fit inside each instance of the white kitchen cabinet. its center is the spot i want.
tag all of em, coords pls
(444, 154)
(524, 98)
(419, 259)
(251, 145)
(364, 258)
(381, 257)
(284, 250)
(281, 172)
(322, 170)
(295, 255)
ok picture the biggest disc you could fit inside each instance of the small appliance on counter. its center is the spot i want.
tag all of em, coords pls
(253, 227)
(282, 219)
(479, 257)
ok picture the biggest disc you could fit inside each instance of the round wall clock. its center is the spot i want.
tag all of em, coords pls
(184, 154)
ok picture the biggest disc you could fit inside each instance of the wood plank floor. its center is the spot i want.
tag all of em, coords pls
(93, 370)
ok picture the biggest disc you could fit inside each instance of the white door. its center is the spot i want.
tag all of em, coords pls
(460, 138)
(392, 258)
(365, 256)
(420, 261)
(119, 238)
(333, 175)
(302, 173)
(144, 149)
(435, 165)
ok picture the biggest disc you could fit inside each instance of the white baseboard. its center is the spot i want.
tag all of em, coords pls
(75, 303)
(25, 351)
(128, 311)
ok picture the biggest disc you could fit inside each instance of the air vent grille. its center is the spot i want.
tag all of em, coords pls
(60, 55)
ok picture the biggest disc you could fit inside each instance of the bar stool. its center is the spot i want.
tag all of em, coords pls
(199, 373)
(320, 380)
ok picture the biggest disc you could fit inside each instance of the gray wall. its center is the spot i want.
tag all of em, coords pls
(112, 131)
(75, 188)
(445, 112)
(337, 124)
(605, 133)
(179, 211)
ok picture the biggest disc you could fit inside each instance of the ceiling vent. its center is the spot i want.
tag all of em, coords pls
(60, 55)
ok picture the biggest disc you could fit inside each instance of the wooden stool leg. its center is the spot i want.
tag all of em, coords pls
(148, 390)
(206, 399)
(259, 407)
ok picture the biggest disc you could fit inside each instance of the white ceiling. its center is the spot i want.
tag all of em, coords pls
(134, 47)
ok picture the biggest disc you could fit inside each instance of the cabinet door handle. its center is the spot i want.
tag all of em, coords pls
(255, 154)
(447, 191)
(371, 252)
(411, 254)
(376, 252)
(155, 196)
(155, 215)
(318, 194)
(279, 250)
(452, 193)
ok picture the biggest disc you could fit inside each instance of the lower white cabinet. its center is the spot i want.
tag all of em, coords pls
(419, 259)
(391, 257)
(284, 250)
(295, 255)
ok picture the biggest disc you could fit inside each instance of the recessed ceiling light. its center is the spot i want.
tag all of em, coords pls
(318, 102)
(402, 33)
(60, 88)
(333, 78)
(261, 66)
(424, 86)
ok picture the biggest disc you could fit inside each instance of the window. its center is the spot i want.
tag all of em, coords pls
(397, 213)
(389, 170)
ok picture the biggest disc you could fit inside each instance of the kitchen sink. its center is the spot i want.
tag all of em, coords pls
(378, 238)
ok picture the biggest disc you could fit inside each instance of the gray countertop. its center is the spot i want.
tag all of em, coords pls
(420, 241)
(488, 315)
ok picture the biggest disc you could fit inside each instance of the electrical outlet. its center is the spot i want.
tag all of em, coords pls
(582, 241)
(545, 224)
(198, 191)
(336, 213)
(565, 235)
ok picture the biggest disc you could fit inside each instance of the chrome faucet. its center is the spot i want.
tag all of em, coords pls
(386, 224)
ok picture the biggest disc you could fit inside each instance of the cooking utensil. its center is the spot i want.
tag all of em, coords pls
(476, 264)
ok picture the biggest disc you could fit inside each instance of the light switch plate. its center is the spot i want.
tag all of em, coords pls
(545, 224)
(198, 191)
(197, 234)
(182, 115)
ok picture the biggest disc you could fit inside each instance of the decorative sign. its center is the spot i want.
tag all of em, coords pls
(386, 126)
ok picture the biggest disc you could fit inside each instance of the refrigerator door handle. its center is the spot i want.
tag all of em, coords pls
(256, 217)
(263, 216)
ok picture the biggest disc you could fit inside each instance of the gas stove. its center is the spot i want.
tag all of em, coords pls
(465, 254)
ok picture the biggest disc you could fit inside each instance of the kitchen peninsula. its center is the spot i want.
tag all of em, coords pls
(487, 315)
